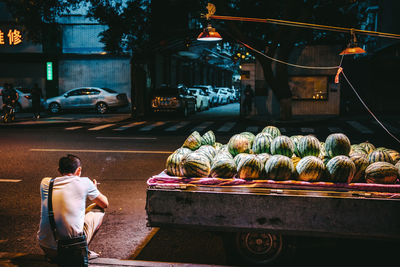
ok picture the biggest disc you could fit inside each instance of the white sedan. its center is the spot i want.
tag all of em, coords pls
(202, 99)
(99, 99)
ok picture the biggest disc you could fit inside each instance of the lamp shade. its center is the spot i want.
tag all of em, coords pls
(209, 34)
(352, 51)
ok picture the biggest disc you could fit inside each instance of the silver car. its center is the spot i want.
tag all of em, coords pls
(99, 99)
(24, 99)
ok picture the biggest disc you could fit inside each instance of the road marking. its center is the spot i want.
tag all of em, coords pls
(391, 128)
(126, 138)
(177, 126)
(335, 130)
(359, 127)
(253, 129)
(226, 127)
(73, 128)
(101, 127)
(99, 151)
(10, 180)
(122, 128)
(202, 126)
(307, 130)
(152, 126)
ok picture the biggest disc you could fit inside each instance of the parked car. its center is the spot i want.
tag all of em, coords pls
(99, 99)
(173, 99)
(224, 96)
(211, 93)
(202, 98)
(232, 94)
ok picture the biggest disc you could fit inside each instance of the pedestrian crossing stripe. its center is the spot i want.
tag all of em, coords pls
(101, 127)
(202, 126)
(307, 130)
(152, 126)
(73, 128)
(359, 127)
(252, 129)
(391, 128)
(226, 127)
(130, 125)
(177, 126)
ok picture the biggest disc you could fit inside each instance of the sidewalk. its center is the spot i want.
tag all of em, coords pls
(31, 260)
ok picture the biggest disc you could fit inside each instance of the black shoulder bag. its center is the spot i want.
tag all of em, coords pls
(71, 251)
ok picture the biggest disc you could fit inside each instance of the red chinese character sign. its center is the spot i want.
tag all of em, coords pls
(11, 37)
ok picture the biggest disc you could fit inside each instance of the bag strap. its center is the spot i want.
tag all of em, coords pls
(50, 209)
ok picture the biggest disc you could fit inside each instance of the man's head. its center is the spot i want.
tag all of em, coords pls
(70, 165)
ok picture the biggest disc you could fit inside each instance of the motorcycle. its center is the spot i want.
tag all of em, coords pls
(9, 113)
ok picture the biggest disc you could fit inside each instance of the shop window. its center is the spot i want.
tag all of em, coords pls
(309, 87)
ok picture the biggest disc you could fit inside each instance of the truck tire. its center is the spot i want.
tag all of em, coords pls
(258, 248)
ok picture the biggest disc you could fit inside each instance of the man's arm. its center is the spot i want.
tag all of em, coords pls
(101, 201)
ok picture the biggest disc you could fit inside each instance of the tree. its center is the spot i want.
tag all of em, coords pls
(279, 41)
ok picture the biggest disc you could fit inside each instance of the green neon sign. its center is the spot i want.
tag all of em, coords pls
(49, 71)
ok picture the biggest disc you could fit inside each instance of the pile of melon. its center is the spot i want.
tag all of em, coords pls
(269, 155)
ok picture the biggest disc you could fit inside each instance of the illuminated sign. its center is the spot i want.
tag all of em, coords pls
(10, 37)
(49, 70)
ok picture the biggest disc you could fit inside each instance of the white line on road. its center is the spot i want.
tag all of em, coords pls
(252, 129)
(391, 128)
(226, 127)
(359, 127)
(126, 138)
(73, 128)
(307, 130)
(99, 151)
(101, 127)
(129, 125)
(335, 130)
(177, 126)
(152, 126)
(10, 181)
(202, 126)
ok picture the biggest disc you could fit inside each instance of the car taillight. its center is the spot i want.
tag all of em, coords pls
(27, 96)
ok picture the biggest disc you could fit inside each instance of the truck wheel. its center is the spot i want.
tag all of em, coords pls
(259, 248)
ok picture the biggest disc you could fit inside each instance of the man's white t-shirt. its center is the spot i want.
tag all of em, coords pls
(69, 203)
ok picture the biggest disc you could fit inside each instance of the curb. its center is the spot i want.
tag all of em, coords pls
(25, 259)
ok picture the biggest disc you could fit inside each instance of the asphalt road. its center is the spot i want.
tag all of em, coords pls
(122, 161)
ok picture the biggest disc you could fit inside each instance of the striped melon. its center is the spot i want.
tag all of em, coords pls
(217, 145)
(195, 165)
(264, 157)
(361, 163)
(355, 148)
(282, 145)
(249, 135)
(239, 144)
(295, 139)
(337, 144)
(223, 168)
(223, 154)
(272, 130)
(381, 173)
(394, 155)
(295, 160)
(208, 138)
(279, 167)
(398, 167)
(379, 155)
(208, 151)
(310, 169)
(173, 164)
(250, 168)
(367, 146)
(322, 151)
(341, 169)
(193, 141)
(308, 146)
(240, 157)
(183, 150)
(262, 143)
